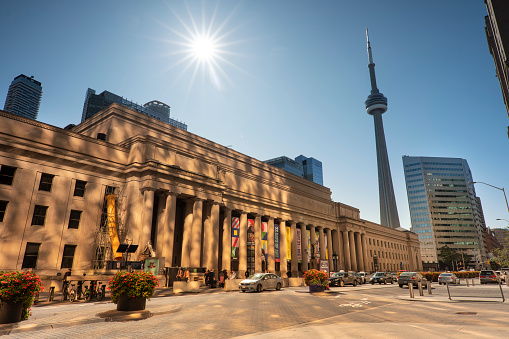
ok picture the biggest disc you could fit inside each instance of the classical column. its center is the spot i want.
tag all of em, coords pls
(346, 247)
(295, 260)
(166, 227)
(358, 247)
(195, 257)
(365, 252)
(283, 258)
(258, 243)
(187, 232)
(329, 248)
(321, 240)
(335, 250)
(271, 263)
(353, 258)
(242, 245)
(227, 240)
(312, 240)
(214, 241)
(305, 246)
(146, 218)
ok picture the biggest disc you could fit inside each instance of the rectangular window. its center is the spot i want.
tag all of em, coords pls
(39, 215)
(31, 254)
(74, 219)
(68, 256)
(79, 188)
(7, 175)
(46, 181)
(3, 208)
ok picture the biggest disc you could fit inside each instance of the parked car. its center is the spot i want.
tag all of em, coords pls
(488, 276)
(381, 278)
(343, 278)
(502, 275)
(364, 277)
(261, 281)
(411, 277)
(448, 278)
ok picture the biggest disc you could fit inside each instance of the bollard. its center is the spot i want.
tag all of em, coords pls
(411, 289)
(419, 285)
(467, 282)
(51, 293)
(507, 280)
(473, 281)
(429, 287)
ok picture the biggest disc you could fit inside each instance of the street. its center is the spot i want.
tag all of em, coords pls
(360, 312)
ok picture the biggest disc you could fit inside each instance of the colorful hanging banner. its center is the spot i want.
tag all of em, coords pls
(326, 246)
(299, 245)
(308, 235)
(276, 243)
(317, 244)
(250, 230)
(264, 240)
(235, 236)
(288, 243)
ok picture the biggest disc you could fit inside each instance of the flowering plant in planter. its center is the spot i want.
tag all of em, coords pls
(315, 277)
(18, 287)
(133, 284)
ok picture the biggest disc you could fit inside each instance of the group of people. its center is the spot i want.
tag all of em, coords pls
(182, 275)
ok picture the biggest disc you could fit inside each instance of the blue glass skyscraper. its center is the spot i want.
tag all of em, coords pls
(24, 97)
(312, 169)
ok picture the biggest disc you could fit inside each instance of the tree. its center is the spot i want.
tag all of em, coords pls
(449, 255)
(502, 254)
(465, 258)
(494, 264)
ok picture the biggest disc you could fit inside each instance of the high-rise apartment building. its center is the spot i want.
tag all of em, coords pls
(312, 169)
(287, 164)
(24, 97)
(155, 109)
(444, 208)
(497, 34)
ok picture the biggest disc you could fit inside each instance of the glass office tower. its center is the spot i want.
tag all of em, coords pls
(24, 97)
(444, 209)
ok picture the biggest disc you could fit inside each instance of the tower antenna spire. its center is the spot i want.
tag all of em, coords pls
(376, 105)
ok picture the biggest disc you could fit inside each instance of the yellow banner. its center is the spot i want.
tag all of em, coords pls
(288, 244)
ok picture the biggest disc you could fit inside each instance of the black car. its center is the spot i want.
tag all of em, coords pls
(382, 278)
(343, 278)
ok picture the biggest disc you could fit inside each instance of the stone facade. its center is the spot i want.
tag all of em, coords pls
(180, 192)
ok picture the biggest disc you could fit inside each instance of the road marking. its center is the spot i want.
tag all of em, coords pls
(358, 304)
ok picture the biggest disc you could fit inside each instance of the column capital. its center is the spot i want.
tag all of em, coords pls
(147, 188)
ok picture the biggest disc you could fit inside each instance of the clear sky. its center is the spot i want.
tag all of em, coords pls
(282, 78)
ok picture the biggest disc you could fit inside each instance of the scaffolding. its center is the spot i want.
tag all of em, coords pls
(112, 229)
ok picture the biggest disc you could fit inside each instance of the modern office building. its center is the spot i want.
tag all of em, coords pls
(24, 97)
(376, 105)
(444, 208)
(68, 198)
(497, 34)
(287, 164)
(501, 234)
(312, 169)
(155, 109)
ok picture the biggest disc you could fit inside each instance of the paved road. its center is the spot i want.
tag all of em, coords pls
(364, 311)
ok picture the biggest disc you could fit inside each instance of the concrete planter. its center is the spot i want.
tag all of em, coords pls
(10, 312)
(125, 303)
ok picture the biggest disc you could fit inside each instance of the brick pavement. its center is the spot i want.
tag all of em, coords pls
(364, 311)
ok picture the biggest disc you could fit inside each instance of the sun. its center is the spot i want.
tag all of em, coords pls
(204, 48)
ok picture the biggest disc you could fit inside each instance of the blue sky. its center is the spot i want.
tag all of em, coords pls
(288, 78)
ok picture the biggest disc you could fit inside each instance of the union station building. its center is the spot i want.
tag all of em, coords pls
(70, 198)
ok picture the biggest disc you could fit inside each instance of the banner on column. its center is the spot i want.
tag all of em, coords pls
(317, 244)
(288, 243)
(250, 230)
(308, 235)
(326, 246)
(276, 243)
(299, 245)
(235, 237)
(264, 240)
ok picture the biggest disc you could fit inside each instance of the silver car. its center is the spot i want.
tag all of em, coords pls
(448, 278)
(261, 281)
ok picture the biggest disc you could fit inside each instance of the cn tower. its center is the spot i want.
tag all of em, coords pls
(376, 105)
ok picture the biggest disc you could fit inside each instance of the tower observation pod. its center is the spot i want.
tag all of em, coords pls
(376, 105)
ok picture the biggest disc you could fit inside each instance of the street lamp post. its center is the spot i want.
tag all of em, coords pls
(498, 188)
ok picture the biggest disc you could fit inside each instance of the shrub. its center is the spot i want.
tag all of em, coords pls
(133, 284)
(22, 287)
(315, 277)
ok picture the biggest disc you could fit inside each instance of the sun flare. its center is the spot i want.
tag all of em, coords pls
(204, 48)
